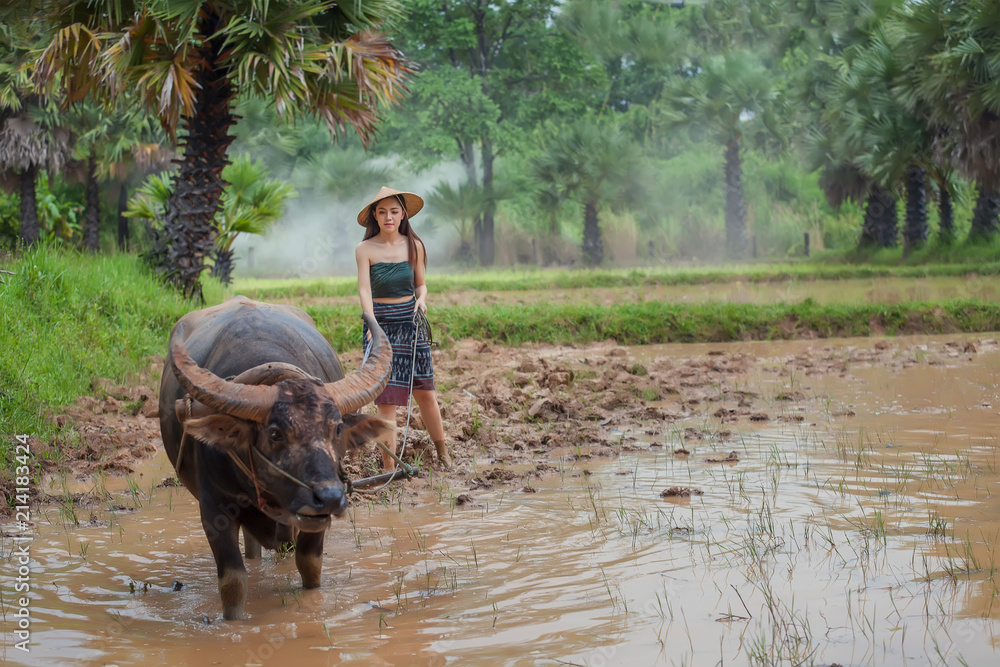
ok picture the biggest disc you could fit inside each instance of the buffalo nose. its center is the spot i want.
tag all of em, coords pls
(331, 499)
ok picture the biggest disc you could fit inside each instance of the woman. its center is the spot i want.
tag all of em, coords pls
(391, 263)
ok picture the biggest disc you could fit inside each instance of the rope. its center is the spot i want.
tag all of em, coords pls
(420, 325)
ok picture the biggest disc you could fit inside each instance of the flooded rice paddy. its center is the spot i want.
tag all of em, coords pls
(858, 525)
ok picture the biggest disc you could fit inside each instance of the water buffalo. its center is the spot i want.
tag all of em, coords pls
(256, 415)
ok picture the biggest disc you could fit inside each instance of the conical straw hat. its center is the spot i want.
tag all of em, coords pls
(413, 203)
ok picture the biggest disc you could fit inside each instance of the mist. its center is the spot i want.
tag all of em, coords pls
(317, 234)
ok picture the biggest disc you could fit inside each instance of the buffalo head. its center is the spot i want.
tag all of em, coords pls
(285, 429)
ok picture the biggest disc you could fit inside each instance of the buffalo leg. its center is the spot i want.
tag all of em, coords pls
(222, 530)
(309, 557)
(251, 547)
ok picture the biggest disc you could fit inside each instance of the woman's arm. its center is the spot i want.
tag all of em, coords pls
(419, 287)
(364, 280)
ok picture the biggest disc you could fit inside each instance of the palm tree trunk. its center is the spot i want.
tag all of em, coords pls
(190, 219)
(880, 227)
(986, 217)
(465, 149)
(477, 233)
(946, 216)
(465, 252)
(487, 248)
(468, 155)
(736, 220)
(223, 266)
(29, 207)
(122, 220)
(593, 246)
(915, 227)
(91, 219)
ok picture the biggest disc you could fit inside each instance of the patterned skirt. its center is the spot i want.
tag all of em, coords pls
(396, 320)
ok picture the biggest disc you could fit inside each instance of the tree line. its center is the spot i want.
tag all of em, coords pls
(556, 110)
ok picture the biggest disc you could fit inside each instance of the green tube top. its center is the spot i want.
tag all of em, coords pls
(391, 279)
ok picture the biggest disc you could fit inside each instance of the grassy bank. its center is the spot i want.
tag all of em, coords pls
(67, 319)
(566, 279)
(659, 322)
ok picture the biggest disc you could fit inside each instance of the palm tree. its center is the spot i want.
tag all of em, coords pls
(343, 173)
(889, 143)
(853, 122)
(190, 59)
(251, 203)
(596, 164)
(459, 207)
(116, 146)
(26, 145)
(953, 48)
(284, 146)
(731, 96)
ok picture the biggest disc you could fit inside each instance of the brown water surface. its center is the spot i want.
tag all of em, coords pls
(859, 526)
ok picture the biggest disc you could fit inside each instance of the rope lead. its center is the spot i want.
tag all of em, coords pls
(402, 470)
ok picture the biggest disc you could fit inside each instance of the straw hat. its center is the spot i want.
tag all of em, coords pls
(413, 203)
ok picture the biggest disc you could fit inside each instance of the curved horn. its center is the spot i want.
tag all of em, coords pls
(245, 401)
(361, 388)
(267, 374)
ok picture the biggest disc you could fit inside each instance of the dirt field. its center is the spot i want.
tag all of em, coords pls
(504, 407)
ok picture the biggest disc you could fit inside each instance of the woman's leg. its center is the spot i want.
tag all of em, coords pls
(387, 412)
(430, 412)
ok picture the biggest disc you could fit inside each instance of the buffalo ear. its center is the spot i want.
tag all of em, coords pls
(361, 429)
(220, 431)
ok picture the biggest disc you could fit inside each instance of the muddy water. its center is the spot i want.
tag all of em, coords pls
(866, 533)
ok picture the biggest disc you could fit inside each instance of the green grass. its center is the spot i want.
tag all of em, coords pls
(497, 280)
(67, 319)
(661, 322)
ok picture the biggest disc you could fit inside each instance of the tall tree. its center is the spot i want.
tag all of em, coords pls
(108, 146)
(27, 143)
(459, 206)
(954, 49)
(251, 203)
(733, 97)
(891, 144)
(835, 113)
(190, 59)
(491, 69)
(593, 162)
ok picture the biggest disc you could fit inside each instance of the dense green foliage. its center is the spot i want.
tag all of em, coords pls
(67, 319)
(626, 133)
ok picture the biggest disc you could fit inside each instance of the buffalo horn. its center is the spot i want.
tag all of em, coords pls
(244, 401)
(361, 388)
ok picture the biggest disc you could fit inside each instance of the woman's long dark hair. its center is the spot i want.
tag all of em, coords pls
(372, 229)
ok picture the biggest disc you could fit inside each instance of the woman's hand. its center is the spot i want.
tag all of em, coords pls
(420, 305)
